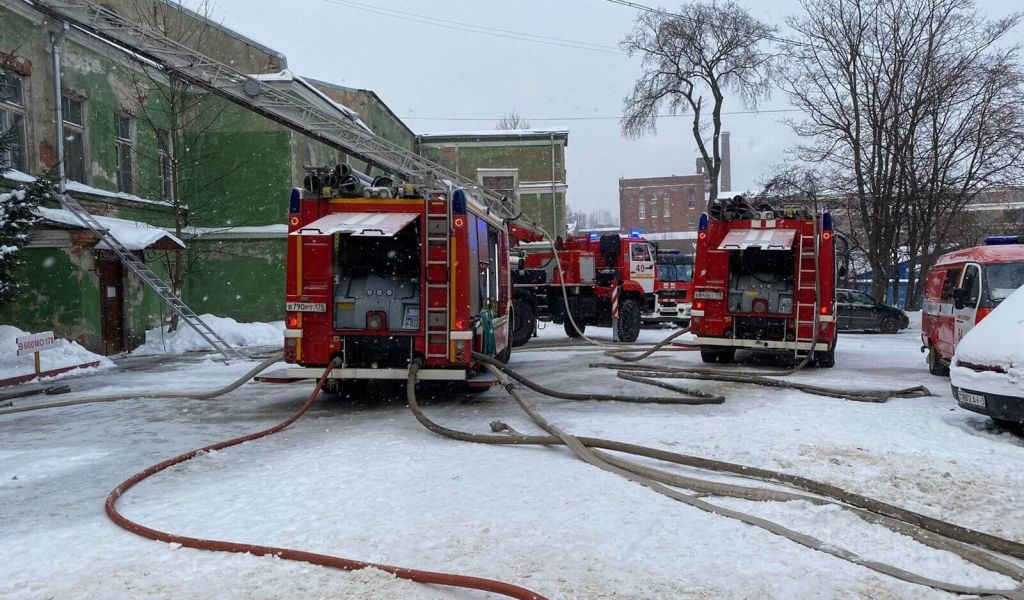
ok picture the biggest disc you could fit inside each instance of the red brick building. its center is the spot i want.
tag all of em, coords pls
(660, 204)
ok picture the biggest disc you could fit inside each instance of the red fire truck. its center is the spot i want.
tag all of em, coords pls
(598, 271)
(673, 288)
(764, 278)
(385, 276)
(961, 289)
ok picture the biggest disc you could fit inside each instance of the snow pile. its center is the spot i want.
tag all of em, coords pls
(186, 339)
(995, 342)
(65, 354)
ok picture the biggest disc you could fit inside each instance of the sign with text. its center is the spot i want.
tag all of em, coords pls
(28, 344)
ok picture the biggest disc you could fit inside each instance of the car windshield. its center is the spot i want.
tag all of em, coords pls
(670, 272)
(1004, 279)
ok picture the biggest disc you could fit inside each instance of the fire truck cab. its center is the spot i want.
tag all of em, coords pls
(673, 289)
(764, 278)
(962, 289)
(599, 273)
(384, 276)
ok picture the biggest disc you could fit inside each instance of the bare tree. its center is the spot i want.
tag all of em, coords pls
(178, 115)
(512, 120)
(913, 111)
(690, 59)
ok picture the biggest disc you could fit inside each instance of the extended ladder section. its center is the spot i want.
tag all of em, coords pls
(314, 118)
(147, 276)
(439, 258)
(807, 276)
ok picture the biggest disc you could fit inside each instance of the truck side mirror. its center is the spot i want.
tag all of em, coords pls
(959, 295)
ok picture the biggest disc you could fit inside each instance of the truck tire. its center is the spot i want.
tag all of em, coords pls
(572, 331)
(826, 359)
(718, 355)
(505, 354)
(524, 321)
(889, 325)
(935, 366)
(629, 321)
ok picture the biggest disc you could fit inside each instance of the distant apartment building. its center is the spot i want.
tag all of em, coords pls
(660, 204)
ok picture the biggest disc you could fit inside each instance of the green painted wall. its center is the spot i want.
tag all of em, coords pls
(59, 294)
(243, 279)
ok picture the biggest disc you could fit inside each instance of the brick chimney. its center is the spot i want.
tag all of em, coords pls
(725, 175)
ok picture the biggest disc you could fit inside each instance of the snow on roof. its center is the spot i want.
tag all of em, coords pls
(286, 76)
(994, 342)
(74, 186)
(275, 230)
(556, 129)
(133, 235)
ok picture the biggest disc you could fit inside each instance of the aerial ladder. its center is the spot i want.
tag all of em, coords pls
(316, 120)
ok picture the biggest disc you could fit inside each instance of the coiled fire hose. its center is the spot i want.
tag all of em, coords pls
(963, 542)
(326, 560)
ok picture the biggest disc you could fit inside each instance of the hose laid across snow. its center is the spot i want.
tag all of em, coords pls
(428, 577)
(952, 538)
(207, 395)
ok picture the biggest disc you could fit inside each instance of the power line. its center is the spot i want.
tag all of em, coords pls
(734, 112)
(478, 29)
(659, 11)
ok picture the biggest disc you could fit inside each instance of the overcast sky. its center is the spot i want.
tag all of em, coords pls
(434, 76)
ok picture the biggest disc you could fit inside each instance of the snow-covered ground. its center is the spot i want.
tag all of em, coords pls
(65, 354)
(361, 478)
(185, 339)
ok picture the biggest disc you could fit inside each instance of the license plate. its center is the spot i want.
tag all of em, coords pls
(305, 306)
(709, 295)
(969, 398)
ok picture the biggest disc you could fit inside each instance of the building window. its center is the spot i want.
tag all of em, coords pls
(693, 198)
(503, 181)
(12, 118)
(641, 209)
(668, 211)
(164, 153)
(123, 141)
(690, 221)
(73, 113)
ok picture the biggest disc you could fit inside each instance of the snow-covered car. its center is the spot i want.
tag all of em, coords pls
(987, 372)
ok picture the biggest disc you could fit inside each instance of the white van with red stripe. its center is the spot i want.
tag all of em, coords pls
(962, 288)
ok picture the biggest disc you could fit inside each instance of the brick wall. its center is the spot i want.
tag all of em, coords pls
(670, 203)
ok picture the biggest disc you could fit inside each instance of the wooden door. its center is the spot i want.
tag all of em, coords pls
(111, 275)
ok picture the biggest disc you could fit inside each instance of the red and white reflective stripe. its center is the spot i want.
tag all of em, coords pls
(615, 302)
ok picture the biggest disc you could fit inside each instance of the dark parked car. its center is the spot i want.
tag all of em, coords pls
(857, 311)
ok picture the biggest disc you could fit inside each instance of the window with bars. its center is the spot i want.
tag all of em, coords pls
(503, 184)
(123, 141)
(73, 113)
(12, 118)
(165, 151)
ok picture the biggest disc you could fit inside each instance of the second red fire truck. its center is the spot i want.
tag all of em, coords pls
(764, 278)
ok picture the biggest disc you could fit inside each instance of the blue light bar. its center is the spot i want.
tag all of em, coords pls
(459, 202)
(594, 235)
(826, 222)
(702, 225)
(294, 202)
(634, 233)
(999, 240)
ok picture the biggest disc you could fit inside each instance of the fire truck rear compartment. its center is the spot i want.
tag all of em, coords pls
(377, 282)
(761, 285)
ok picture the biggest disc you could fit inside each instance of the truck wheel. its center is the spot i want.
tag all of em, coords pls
(629, 321)
(889, 325)
(717, 355)
(572, 331)
(826, 359)
(523, 322)
(935, 366)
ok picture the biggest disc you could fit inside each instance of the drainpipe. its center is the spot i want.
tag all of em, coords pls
(554, 204)
(58, 39)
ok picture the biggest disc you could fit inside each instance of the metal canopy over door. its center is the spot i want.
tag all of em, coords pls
(111, 279)
(765, 239)
(384, 224)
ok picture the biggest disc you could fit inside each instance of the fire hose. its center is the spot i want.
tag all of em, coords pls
(965, 543)
(326, 560)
